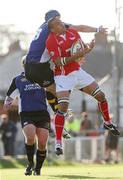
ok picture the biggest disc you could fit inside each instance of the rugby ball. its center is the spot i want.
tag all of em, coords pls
(76, 47)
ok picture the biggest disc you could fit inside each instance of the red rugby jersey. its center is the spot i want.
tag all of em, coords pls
(60, 46)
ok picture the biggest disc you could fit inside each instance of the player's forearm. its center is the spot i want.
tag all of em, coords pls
(74, 57)
(12, 88)
(84, 28)
(61, 61)
(8, 102)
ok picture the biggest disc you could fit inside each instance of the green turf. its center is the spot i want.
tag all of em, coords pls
(86, 172)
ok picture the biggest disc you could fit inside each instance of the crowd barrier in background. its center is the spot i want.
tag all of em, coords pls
(79, 149)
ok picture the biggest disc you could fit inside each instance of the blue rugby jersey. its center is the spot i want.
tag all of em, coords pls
(37, 51)
(31, 96)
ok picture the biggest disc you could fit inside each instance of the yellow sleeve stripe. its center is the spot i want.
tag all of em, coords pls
(51, 101)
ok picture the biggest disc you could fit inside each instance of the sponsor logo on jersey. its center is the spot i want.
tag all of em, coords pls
(29, 87)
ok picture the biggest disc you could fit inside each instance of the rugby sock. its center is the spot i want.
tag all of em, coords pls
(59, 125)
(52, 100)
(30, 151)
(103, 107)
(40, 157)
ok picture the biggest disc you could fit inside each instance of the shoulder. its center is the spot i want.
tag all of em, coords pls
(72, 30)
(44, 28)
(42, 32)
(18, 77)
(14, 80)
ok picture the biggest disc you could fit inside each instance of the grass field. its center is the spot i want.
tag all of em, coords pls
(79, 171)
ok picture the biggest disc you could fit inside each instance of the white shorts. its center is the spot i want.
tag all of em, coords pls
(77, 79)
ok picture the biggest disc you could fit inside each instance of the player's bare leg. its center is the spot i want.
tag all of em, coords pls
(42, 136)
(94, 90)
(29, 132)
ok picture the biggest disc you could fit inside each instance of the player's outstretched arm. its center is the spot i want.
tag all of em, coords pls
(89, 29)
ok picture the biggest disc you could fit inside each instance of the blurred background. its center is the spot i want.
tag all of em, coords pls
(18, 22)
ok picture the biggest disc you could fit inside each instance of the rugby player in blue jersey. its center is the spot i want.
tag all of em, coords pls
(35, 119)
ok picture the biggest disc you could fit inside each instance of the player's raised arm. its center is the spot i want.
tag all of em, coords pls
(89, 29)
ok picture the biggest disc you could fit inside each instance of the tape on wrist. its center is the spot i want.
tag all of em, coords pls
(63, 61)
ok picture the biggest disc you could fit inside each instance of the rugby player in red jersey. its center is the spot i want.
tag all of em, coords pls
(67, 50)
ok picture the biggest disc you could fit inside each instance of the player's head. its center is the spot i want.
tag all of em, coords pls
(51, 14)
(56, 25)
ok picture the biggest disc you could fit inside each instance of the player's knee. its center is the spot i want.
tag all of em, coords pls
(63, 108)
(42, 146)
(63, 104)
(98, 95)
(30, 139)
